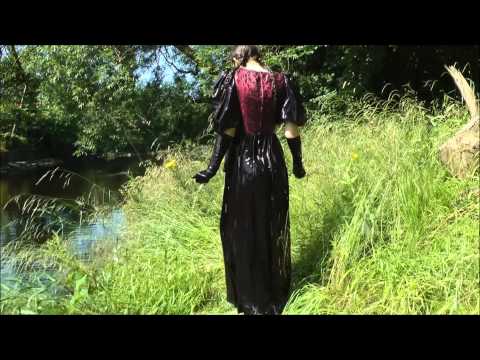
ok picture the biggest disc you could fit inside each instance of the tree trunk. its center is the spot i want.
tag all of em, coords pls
(461, 153)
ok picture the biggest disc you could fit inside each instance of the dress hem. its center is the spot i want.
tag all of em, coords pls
(271, 309)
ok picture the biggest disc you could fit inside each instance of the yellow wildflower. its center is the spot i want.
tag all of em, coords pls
(354, 156)
(171, 164)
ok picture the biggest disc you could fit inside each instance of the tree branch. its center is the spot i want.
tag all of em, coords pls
(20, 72)
(170, 63)
(189, 53)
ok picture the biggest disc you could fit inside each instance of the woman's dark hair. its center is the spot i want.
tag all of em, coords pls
(243, 53)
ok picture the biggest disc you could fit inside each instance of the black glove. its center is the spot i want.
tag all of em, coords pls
(222, 143)
(295, 146)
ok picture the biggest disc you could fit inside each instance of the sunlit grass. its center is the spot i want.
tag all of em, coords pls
(378, 227)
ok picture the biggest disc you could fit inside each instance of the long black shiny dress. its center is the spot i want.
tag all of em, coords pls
(254, 224)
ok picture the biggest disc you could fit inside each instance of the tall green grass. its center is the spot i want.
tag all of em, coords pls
(378, 227)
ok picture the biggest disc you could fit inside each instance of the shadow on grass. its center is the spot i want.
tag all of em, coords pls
(314, 261)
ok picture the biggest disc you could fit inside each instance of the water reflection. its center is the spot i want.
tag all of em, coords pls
(98, 179)
(81, 237)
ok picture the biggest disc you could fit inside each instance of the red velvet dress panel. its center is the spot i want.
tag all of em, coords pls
(255, 91)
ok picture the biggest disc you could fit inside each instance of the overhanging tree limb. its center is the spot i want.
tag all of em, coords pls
(189, 53)
(172, 64)
(20, 72)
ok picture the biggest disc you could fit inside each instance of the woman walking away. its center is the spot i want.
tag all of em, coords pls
(250, 102)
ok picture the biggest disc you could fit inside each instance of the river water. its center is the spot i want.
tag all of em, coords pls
(81, 235)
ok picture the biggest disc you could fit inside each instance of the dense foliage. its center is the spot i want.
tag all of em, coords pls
(91, 100)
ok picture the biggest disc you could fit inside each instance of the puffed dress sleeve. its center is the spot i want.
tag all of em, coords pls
(291, 106)
(226, 109)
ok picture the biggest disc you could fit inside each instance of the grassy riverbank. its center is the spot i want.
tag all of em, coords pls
(378, 227)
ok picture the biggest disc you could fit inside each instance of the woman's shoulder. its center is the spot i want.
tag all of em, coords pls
(224, 80)
(288, 75)
(290, 81)
(280, 78)
(224, 75)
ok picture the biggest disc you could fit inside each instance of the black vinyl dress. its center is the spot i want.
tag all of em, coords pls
(254, 224)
